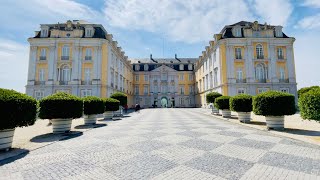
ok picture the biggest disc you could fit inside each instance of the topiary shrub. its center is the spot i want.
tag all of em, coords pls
(61, 105)
(241, 103)
(222, 102)
(93, 105)
(306, 89)
(274, 103)
(16, 109)
(212, 96)
(121, 97)
(309, 105)
(111, 104)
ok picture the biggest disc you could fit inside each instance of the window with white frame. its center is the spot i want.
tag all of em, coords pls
(215, 81)
(146, 67)
(65, 52)
(259, 51)
(145, 89)
(181, 77)
(44, 32)
(239, 74)
(241, 91)
(260, 72)
(87, 75)
(164, 76)
(155, 89)
(282, 73)
(137, 67)
(136, 89)
(191, 89)
(238, 32)
(210, 80)
(137, 77)
(181, 89)
(190, 77)
(39, 94)
(280, 53)
(65, 73)
(86, 92)
(42, 74)
(261, 90)
(146, 77)
(89, 32)
(88, 54)
(181, 67)
(285, 90)
(112, 77)
(190, 67)
(181, 101)
(207, 81)
(43, 54)
(238, 53)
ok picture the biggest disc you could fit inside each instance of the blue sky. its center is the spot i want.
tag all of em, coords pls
(160, 27)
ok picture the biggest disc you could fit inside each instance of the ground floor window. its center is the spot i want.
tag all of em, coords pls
(86, 92)
(39, 94)
(63, 90)
(285, 90)
(241, 91)
(261, 90)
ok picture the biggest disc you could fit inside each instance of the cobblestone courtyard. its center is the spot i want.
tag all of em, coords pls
(169, 144)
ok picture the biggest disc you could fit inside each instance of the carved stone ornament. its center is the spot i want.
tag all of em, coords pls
(69, 25)
(255, 26)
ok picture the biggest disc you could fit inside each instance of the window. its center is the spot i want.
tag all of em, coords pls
(285, 90)
(280, 53)
(89, 32)
(282, 73)
(181, 77)
(260, 73)
(207, 79)
(155, 89)
(259, 51)
(88, 54)
(112, 77)
(136, 89)
(190, 77)
(146, 77)
(181, 101)
(215, 81)
(238, 32)
(146, 67)
(65, 52)
(238, 53)
(43, 54)
(41, 74)
(191, 89)
(164, 77)
(86, 92)
(181, 67)
(241, 91)
(239, 74)
(38, 94)
(145, 89)
(261, 90)
(181, 89)
(65, 74)
(87, 75)
(210, 80)
(190, 67)
(137, 67)
(137, 77)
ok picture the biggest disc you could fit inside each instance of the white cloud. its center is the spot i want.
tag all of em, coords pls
(275, 12)
(312, 3)
(310, 22)
(186, 21)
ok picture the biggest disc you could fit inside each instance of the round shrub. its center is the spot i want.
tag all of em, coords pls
(121, 97)
(222, 102)
(241, 103)
(111, 104)
(16, 109)
(212, 96)
(309, 105)
(274, 103)
(307, 89)
(61, 105)
(93, 105)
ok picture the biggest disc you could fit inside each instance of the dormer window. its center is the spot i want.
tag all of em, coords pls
(237, 31)
(44, 31)
(146, 67)
(137, 67)
(89, 31)
(190, 67)
(181, 67)
(278, 31)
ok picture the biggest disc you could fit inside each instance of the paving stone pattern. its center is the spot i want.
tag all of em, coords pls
(169, 144)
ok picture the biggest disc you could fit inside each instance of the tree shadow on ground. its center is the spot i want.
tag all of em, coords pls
(50, 137)
(302, 132)
(71, 135)
(12, 155)
(90, 126)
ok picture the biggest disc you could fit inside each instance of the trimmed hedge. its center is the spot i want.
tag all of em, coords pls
(61, 105)
(309, 105)
(222, 102)
(16, 109)
(111, 104)
(241, 103)
(121, 97)
(274, 103)
(307, 89)
(93, 105)
(212, 96)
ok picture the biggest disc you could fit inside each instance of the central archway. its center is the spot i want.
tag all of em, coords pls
(164, 102)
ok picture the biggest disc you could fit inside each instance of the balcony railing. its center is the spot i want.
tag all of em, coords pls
(39, 83)
(284, 80)
(241, 80)
(86, 82)
(238, 57)
(64, 57)
(280, 57)
(43, 58)
(63, 82)
(88, 58)
(261, 80)
(260, 57)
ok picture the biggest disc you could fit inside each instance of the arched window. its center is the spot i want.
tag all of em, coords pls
(190, 67)
(181, 67)
(146, 67)
(260, 73)
(65, 73)
(259, 51)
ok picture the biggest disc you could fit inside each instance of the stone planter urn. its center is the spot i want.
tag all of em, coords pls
(244, 117)
(90, 119)
(6, 137)
(108, 115)
(61, 125)
(275, 122)
(226, 113)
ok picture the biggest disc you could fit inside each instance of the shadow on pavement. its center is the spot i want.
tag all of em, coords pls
(12, 155)
(90, 126)
(50, 137)
(302, 132)
(259, 123)
(71, 134)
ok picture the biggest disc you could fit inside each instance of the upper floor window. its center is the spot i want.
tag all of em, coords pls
(261, 90)
(259, 51)
(86, 92)
(65, 52)
(87, 74)
(239, 74)
(280, 53)
(41, 74)
(137, 67)
(43, 54)
(238, 53)
(65, 74)
(146, 67)
(44, 31)
(240, 90)
(190, 77)
(146, 78)
(282, 73)
(190, 67)
(238, 32)
(181, 67)
(88, 54)
(89, 31)
(285, 90)
(181, 77)
(137, 77)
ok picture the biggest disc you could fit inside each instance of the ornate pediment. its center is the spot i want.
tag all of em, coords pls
(163, 68)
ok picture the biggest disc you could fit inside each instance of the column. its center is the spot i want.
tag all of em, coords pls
(290, 64)
(32, 65)
(55, 61)
(98, 60)
(80, 64)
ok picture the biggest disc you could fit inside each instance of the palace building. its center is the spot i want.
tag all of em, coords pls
(83, 59)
